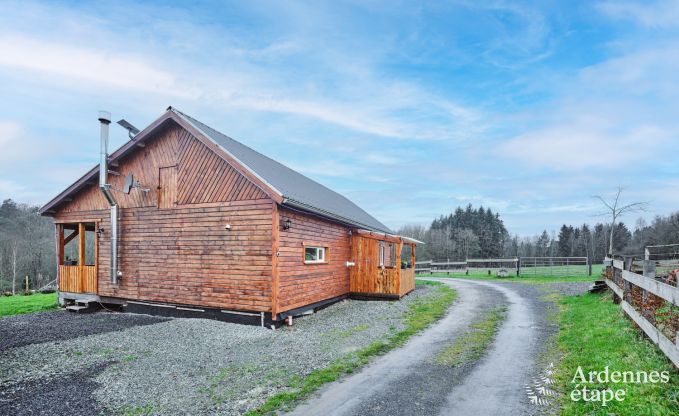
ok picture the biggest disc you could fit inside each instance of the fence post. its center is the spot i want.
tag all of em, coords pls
(518, 266)
(649, 269)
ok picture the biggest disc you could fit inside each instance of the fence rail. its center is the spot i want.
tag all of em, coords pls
(554, 266)
(644, 299)
(521, 266)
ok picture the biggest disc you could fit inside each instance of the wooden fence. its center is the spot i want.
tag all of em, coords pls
(649, 301)
(520, 266)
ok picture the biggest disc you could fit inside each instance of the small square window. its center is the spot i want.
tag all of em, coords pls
(387, 254)
(314, 254)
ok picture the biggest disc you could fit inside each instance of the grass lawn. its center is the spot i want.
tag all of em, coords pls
(19, 304)
(593, 334)
(536, 275)
(530, 280)
(422, 314)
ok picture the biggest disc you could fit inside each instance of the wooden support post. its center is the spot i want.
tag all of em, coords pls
(81, 255)
(96, 257)
(397, 261)
(59, 237)
(413, 257)
(649, 268)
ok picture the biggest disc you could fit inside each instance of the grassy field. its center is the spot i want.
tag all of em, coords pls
(557, 272)
(530, 280)
(16, 305)
(594, 334)
(421, 315)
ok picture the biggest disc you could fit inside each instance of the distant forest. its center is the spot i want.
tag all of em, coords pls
(480, 233)
(27, 245)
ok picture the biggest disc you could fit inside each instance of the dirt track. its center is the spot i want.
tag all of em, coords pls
(409, 381)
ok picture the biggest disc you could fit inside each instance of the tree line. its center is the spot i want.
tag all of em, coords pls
(480, 233)
(27, 247)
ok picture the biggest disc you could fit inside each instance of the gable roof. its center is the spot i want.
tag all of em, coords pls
(293, 189)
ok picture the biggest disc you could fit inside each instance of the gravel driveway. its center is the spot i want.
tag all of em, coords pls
(60, 363)
(411, 381)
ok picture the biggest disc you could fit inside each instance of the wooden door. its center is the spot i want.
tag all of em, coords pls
(167, 187)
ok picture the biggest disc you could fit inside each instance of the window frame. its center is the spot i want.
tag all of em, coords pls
(382, 248)
(320, 248)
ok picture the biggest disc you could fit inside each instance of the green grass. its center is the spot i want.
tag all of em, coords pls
(541, 275)
(593, 334)
(18, 304)
(422, 313)
(535, 280)
(473, 344)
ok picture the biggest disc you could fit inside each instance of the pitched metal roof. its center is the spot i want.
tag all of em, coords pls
(297, 190)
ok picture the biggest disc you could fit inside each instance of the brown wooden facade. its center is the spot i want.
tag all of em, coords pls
(202, 230)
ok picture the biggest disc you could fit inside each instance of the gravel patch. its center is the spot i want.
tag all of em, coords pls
(196, 366)
(67, 395)
(35, 328)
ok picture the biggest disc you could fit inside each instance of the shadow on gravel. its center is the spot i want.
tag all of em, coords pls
(65, 395)
(36, 328)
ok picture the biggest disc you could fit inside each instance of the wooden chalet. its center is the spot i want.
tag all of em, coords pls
(185, 220)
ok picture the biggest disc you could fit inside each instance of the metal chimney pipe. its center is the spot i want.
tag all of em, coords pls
(105, 120)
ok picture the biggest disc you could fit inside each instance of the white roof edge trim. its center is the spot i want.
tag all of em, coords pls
(412, 240)
(207, 136)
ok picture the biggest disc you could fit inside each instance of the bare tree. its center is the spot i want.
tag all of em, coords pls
(616, 209)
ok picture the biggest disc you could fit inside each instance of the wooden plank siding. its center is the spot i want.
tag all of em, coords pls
(300, 283)
(186, 255)
(78, 279)
(367, 277)
(173, 245)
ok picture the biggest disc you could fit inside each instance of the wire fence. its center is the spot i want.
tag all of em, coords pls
(520, 266)
(554, 266)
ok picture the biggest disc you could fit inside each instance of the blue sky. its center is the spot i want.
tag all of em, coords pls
(409, 109)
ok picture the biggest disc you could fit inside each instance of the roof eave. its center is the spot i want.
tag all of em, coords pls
(48, 208)
(329, 215)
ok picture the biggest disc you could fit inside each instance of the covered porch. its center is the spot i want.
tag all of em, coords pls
(384, 265)
(77, 255)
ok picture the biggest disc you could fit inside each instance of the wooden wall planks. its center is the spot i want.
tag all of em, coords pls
(175, 248)
(173, 245)
(300, 283)
(366, 277)
(201, 176)
(206, 177)
(186, 255)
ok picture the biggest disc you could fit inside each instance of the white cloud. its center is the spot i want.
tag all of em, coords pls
(17, 146)
(80, 64)
(584, 143)
(658, 14)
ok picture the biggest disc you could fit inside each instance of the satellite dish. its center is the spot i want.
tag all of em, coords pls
(129, 183)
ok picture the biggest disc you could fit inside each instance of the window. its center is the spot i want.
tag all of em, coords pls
(313, 254)
(387, 253)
